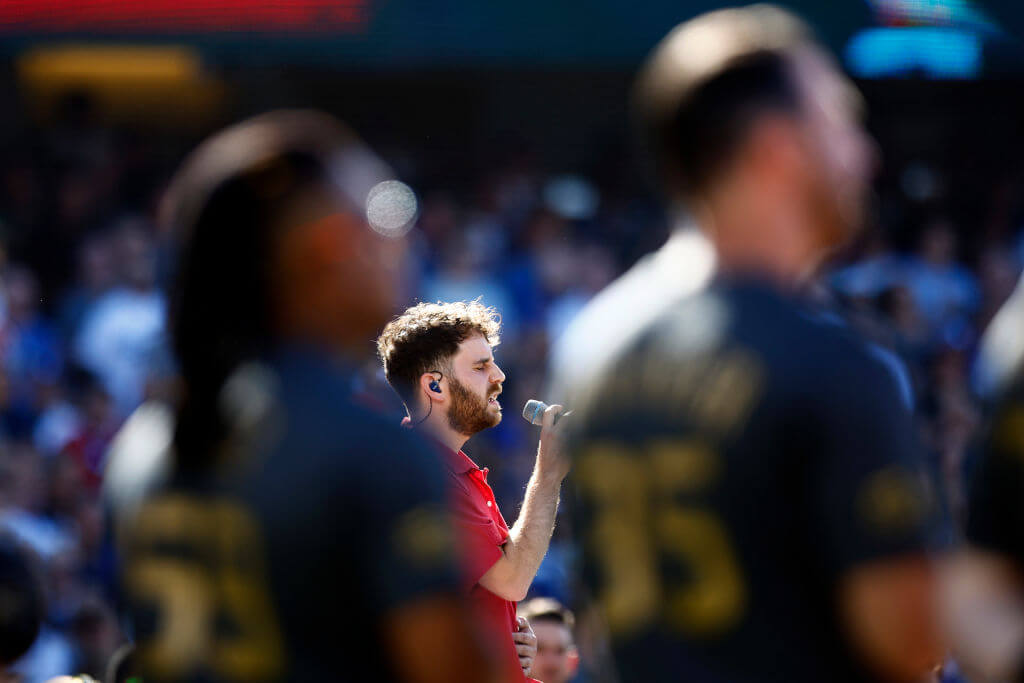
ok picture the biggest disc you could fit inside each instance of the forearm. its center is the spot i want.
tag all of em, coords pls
(530, 535)
(528, 539)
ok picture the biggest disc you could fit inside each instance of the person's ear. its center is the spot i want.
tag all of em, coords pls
(778, 149)
(574, 661)
(431, 385)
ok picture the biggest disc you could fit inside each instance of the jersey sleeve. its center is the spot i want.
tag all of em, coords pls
(867, 486)
(408, 551)
(995, 514)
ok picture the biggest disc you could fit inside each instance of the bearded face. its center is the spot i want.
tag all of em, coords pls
(471, 412)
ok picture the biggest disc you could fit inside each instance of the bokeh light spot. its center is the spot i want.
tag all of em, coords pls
(391, 207)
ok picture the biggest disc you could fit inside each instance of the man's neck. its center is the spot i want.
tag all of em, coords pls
(437, 428)
(761, 237)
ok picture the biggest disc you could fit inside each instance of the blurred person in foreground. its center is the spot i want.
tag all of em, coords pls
(557, 658)
(283, 533)
(748, 489)
(22, 606)
(439, 359)
(985, 584)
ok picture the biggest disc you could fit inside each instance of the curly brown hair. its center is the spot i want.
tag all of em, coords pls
(426, 336)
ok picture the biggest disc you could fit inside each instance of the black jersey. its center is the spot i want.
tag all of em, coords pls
(281, 565)
(731, 462)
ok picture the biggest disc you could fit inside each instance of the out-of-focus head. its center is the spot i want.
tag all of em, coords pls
(557, 658)
(938, 242)
(22, 293)
(22, 603)
(748, 90)
(289, 229)
(97, 265)
(443, 353)
(135, 252)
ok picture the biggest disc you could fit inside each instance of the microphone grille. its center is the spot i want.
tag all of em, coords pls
(533, 411)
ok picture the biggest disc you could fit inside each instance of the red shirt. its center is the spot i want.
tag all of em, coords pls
(480, 532)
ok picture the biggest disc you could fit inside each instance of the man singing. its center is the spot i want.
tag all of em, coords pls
(439, 359)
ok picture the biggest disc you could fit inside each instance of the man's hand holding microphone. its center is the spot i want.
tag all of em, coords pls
(552, 462)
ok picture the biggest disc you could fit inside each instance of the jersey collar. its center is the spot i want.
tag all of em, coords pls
(457, 462)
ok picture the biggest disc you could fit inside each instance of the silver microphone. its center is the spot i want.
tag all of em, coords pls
(533, 412)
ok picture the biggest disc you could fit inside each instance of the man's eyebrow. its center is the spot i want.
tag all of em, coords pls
(483, 361)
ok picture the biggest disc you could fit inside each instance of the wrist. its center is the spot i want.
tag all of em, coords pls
(547, 474)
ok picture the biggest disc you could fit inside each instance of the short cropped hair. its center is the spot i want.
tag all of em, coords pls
(706, 84)
(547, 609)
(427, 336)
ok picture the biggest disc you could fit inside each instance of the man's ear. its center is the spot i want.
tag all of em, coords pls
(574, 660)
(431, 386)
(777, 148)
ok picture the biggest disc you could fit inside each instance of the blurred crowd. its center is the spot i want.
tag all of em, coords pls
(929, 307)
(82, 317)
(84, 298)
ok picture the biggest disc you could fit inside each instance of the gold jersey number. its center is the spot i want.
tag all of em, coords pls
(216, 575)
(637, 521)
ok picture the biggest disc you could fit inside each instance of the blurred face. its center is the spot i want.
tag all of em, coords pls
(340, 280)
(137, 258)
(938, 243)
(842, 157)
(370, 279)
(21, 296)
(474, 387)
(556, 654)
(97, 266)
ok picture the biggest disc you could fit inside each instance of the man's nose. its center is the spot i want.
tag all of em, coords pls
(498, 375)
